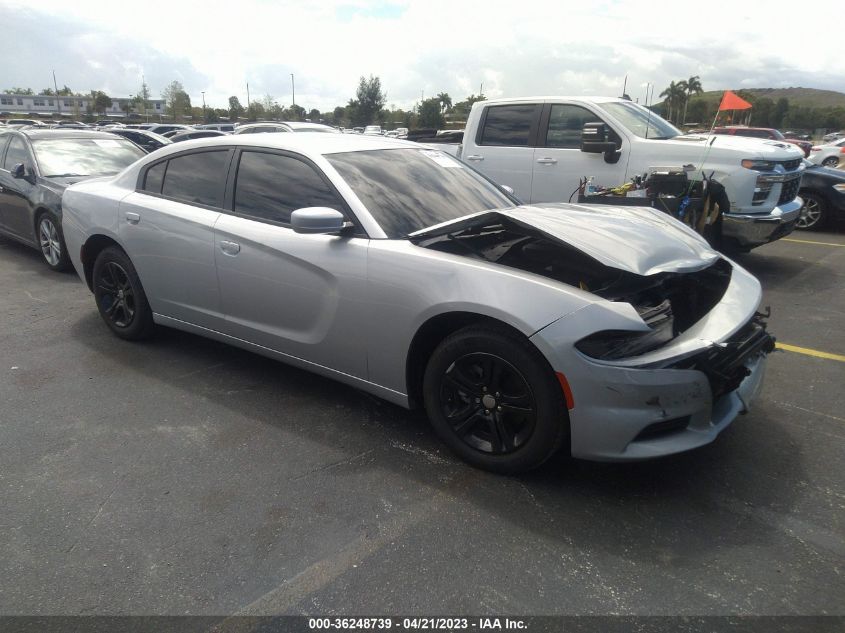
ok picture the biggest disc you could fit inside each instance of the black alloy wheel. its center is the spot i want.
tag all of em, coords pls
(813, 213)
(488, 403)
(493, 398)
(120, 296)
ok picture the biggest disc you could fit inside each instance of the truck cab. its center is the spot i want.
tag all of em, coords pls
(543, 147)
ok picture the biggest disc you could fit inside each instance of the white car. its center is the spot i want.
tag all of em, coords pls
(830, 155)
(833, 136)
(373, 130)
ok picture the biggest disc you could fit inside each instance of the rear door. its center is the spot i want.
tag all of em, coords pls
(559, 163)
(502, 148)
(298, 294)
(167, 228)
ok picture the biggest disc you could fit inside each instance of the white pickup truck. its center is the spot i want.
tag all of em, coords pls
(542, 146)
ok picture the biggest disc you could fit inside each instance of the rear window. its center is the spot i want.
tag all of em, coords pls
(84, 156)
(508, 125)
(196, 178)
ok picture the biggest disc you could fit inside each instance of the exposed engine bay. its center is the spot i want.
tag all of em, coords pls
(669, 302)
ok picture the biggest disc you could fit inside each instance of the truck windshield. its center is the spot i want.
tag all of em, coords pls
(641, 121)
(406, 190)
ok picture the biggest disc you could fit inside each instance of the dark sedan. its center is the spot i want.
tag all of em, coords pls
(36, 166)
(189, 135)
(146, 140)
(823, 192)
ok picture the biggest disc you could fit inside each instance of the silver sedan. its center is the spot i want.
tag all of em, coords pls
(616, 333)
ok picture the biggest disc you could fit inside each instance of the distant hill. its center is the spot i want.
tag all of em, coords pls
(802, 97)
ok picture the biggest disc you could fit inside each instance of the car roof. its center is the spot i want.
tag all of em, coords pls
(302, 143)
(65, 133)
(538, 99)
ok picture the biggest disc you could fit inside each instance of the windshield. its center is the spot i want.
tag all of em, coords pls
(406, 190)
(641, 121)
(84, 156)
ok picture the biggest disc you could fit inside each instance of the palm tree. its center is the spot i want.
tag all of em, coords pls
(691, 86)
(673, 94)
(445, 101)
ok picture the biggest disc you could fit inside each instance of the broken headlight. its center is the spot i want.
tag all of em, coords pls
(616, 344)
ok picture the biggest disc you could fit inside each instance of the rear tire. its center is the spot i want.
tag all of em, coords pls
(494, 400)
(830, 161)
(120, 296)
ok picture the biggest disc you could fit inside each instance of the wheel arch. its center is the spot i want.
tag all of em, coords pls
(92, 247)
(429, 335)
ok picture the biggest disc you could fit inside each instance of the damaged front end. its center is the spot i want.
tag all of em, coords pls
(669, 302)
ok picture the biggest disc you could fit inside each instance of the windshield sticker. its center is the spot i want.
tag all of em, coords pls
(107, 142)
(441, 159)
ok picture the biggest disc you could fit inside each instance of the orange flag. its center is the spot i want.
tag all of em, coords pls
(731, 101)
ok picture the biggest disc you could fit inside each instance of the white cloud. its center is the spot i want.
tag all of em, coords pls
(514, 48)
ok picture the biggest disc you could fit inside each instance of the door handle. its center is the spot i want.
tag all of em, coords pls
(133, 218)
(547, 161)
(230, 248)
(475, 157)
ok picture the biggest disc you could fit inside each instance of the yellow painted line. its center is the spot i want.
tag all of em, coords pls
(789, 239)
(810, 352)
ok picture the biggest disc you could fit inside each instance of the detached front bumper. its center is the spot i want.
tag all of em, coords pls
(750, 230)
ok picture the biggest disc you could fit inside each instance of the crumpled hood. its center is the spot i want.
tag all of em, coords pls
(640, 240)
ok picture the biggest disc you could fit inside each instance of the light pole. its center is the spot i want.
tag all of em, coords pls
(292, 92)
(204, 116)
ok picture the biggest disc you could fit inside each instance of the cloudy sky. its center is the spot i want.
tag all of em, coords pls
(514, 48)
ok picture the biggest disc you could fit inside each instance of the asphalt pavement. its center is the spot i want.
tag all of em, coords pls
(182, 476)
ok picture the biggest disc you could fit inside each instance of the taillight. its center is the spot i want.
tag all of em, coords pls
(842, 151)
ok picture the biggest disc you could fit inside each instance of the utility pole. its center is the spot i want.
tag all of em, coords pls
(292, 92)
(56, 86)
(247, 95)
(481, 90)
(204, 117)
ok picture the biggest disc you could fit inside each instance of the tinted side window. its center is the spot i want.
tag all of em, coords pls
(271, 187)
(16, 154)
(154, 177)
(565, 125)
(197, 178)
(508, 125)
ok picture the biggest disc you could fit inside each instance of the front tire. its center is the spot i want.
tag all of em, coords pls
(51, 241)
(494, 400)
(120, 296)
(830, 161)
(813, 213)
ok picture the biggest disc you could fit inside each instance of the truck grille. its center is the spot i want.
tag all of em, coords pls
(791, 165)
(789, 190)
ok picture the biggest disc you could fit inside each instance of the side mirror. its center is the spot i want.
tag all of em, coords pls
(19, 171)
(506, 189)
(595, 139)
(317, 220)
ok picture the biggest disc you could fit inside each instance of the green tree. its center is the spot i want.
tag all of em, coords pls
(100, 101)
(430, 114)
(368, 103)
(692, 86)
(176, 100)
(255, 111)
(445, 101)
(25, 92)
(236, 110)
(673, 97)
(47, 92)
(314, 115)
(65, 92)
(780, 112)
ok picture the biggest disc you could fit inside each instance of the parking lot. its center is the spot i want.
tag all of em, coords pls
(183, 476)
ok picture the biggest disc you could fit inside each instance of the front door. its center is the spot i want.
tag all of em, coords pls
(559, 163)
(15, 213)
(294, 293)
